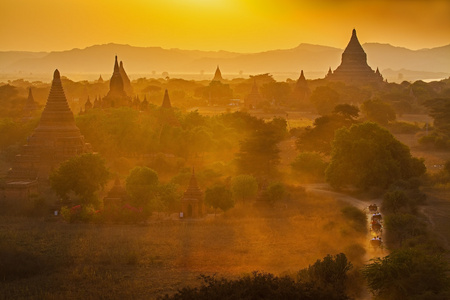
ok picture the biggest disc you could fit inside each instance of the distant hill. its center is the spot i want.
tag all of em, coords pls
(313, 59)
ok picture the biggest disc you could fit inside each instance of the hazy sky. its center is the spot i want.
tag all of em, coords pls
(234, 25)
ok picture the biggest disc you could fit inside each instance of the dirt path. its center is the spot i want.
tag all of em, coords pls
(324, 189)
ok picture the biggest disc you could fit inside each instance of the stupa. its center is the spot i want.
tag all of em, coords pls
(301, 91)
(354, 68)
(55, 139)
(30, 106)
(254, 98)
(126, 81)
(192, 202)
(116, 96)
(218, 75)
(166, 101)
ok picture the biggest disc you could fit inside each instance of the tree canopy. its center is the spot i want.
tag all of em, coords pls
(219, 196)
(244, 187)
(408, 274)
(83, 175)
(142, 186)
(366, 155)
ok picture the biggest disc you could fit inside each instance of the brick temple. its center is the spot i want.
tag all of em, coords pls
(354, 68)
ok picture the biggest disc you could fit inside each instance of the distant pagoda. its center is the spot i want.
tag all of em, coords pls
(55, 139)
(192, 202)
(30, 106)
(126, 81)
(354, 68)
(166, 101)
(218, 75)
(88, 105)
(254, 98)
(116, 96)
(301, 91)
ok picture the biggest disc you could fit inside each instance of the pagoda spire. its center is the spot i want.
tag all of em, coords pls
(217, 75)
(57, 110)
(126, 81)
(166, 100)
(30, 95)
(116, 66)
(302, 77)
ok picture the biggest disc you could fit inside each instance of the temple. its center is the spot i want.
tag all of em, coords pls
(192, 202)
(217, 75)
(116, 196)
(354, 68)
(116, 96)
(30, 106)
(55, 139)
(166, 100)
(301, 91)
(126, 81)
(253, 99)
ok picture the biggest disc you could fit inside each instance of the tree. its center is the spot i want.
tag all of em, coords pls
(324, 99)
(244, 187)
(274, 193)
(219, 196)
(142, 186)
(366, 155)
(401, 227)
(393, 201)
(408, 274)
(346, 110)
(259, 153)
(319, 137)
(255, 286)
(329, 274)
(83, 175)
(378, 111)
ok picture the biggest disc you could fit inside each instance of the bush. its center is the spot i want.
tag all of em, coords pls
(255, 286)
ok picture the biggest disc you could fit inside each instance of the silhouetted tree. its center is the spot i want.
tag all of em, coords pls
(324, 99)
(329, 274)
(142, 186)
(408, 274)
(366, 155)
(219, 196)
(259, 153)
(83, 175)
(378, 111)
(274, 193)
(244, 187)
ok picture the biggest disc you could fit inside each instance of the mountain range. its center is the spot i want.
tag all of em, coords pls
(315, 60)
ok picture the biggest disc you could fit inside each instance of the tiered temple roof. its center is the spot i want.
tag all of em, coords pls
(354, 67)
(55, 139)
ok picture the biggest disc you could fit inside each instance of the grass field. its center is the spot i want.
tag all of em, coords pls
(56, 260)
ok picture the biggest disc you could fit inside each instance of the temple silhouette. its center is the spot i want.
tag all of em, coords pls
(192, 202)
(55, 139)
(354, 68)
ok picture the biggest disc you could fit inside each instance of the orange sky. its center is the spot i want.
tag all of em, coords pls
(233, 25)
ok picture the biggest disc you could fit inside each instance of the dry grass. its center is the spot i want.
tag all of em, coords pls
(87, 261)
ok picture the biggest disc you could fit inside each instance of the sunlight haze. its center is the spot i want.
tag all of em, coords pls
(232, 25)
